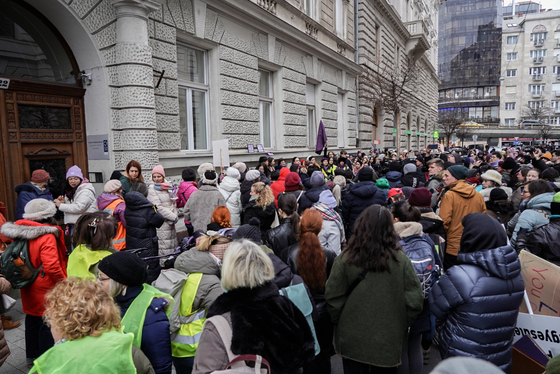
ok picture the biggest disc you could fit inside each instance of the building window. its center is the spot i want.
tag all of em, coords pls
(556, 70)
(512, 40)
(193, 98)
(537, 53)
(536, 88)
(310, 8)
(555, 120)
(509, 121)
(540, 36)
(555, 105)
(511, 73)
(265, 108)
(510, 106)
(311, 112)
(537, 71)
(339, 14)
(511, 56)
(511, 89)
(536, 104)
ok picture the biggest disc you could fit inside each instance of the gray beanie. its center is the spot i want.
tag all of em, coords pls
(39, 209)
(409, 168)
(317, 178)
(252, 175)
(240, 166)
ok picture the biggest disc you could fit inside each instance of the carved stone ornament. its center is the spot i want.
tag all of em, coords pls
(268, 5)
(341, 48)
(47, 151)
(135, 8)
(311, 30)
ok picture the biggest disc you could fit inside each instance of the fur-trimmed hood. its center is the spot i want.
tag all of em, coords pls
(28, 230)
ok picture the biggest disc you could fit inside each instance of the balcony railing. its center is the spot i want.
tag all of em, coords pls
(539, 43)
(536, 95)
(462, 99)
(538, 60)
(537, 77)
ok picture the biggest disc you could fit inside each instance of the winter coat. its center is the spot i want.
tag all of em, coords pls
(544, 241)
(209, 288)
(360, 196)
(156, 340)
(263, 323)
(486, 192)
(434, 182)
(310, 197)
(461, 199)
(245, 189)
(184, 192)
(84, 201)
(278, 187)
(281, 237)
(27, 192)
(198, 210)
(125, 182)
(289, 256)
(142, 220)
(167, 235)
(266, 216)
(410, 180)
(104, 200)
(394, 178)
(479, 300)
(5, 287)
(230, 189)
(371, 324)
(46, 248)
(517, 197)
(330, 237)
(535, 214)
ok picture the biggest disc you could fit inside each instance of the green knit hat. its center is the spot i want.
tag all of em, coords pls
(382, 183)
(458, 171)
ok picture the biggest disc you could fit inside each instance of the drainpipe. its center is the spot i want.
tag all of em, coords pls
(356, 54)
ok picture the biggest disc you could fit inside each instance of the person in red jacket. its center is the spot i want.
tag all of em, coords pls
(47, 249)
(278, 186)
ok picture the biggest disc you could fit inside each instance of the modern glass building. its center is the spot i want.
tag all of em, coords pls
(470, 41)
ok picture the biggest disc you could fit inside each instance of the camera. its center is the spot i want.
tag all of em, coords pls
(529, 150)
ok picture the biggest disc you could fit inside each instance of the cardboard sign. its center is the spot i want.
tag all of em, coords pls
(544, 330)
(220, 153)
(542, 279)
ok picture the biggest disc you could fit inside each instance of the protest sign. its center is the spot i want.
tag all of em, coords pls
(220, 153)
(542, 279)
(544, 330)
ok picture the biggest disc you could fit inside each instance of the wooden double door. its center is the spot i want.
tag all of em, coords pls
(42, 127)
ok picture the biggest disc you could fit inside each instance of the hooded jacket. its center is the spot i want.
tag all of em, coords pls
(27, 192)
(360, 196)
(278, 186)
(461, 199)
(198, 210)
(84, 201)
(185, 190)
(104, 200)
(544, 241)
(142, 220)
(230, 189)
(209, 288)
(394, 178)
(245, 190)
(265, 216)
(167, 235)
(46, 248)
(535, 214)
(312, 196)
(479, 298)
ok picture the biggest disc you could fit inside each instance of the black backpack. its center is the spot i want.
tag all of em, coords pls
(420, 253)
(16, 265)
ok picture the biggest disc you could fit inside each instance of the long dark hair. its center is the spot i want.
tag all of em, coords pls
(136, 164)
(288, 203)
(374, 241)
(310, 259)
(96, 230)
(538, 187)
(406, 213)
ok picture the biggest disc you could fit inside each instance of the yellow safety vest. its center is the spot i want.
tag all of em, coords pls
(119, 241)
(185, 341)
(133, 320)
(82, 260)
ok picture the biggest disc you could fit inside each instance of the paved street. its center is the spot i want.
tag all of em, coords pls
(15, 364)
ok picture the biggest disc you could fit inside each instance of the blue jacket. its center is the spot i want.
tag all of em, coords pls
(533, 215)
(27, 192)
(394, 178)
(310, 197)
(479, 300)
(359, 197)
(156, 339)
(142, 220)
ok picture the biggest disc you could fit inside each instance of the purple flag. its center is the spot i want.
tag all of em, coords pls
(321, 138)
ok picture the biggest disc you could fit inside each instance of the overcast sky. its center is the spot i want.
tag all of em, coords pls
(550, 4)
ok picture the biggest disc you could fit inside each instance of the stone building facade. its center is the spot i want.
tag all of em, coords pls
(531, 68)
(393, 35)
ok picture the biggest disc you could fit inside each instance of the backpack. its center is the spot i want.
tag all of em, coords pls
(16, 265)
(421, 254)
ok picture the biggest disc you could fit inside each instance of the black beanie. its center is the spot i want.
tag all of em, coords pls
(509, 164)
(498, 194)
(251, 231)
(116, 175)
(394, 166)
(125, 268)
(188, 175)
(365, 174)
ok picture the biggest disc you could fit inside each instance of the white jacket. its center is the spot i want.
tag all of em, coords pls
(230, 190)
(330, 237)
(167, 235)
(85, 201)
(485, 192)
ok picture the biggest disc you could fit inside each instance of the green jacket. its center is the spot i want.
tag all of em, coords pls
(371, 324)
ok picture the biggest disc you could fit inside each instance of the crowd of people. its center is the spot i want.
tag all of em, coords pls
(373, 256)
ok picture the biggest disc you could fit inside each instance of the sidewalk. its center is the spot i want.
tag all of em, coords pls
(15, 364)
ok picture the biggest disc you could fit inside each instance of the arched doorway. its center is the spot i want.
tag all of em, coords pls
(41, 109)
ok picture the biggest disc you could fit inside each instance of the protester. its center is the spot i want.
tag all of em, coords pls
(198, 210)
(36, 188)
(112, 202)
(318, 188)
(491, 180)
(132, 175)
(261, 206)
(48, 252)
(221, 219)
(332, 235)
(230, 189)
(279, 185)
(485, 288)
(186, 189)
(159, 193)
(372, 318)
(143, 308)
(262, 321)
(285, 234)
(499, 206)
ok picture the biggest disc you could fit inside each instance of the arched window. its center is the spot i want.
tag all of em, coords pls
(31, 48)
(539, 28)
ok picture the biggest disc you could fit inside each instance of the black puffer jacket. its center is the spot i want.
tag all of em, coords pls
(544, 241)
(280, 237)
(394, 178)
(265, 216)
(142, 220)
(359, 197)
(245, 190)
(479, 298)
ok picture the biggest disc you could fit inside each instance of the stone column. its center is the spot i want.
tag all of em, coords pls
(131, 86)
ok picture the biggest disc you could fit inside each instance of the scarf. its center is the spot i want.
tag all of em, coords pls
(162, 186)
(329, 214)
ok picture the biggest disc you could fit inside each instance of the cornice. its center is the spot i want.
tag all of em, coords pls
(393, 17)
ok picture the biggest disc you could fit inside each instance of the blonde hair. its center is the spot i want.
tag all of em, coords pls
(246, 265)
(339, 183)
(265, 195)
(205, 241)
(81, 307)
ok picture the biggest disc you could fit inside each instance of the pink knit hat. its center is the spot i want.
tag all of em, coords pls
(158, 169)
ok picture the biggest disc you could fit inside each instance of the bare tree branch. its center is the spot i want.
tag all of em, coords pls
(538, 112)
(449, 122)
(464, 132)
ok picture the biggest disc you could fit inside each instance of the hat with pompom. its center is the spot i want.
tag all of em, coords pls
(251, 231)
